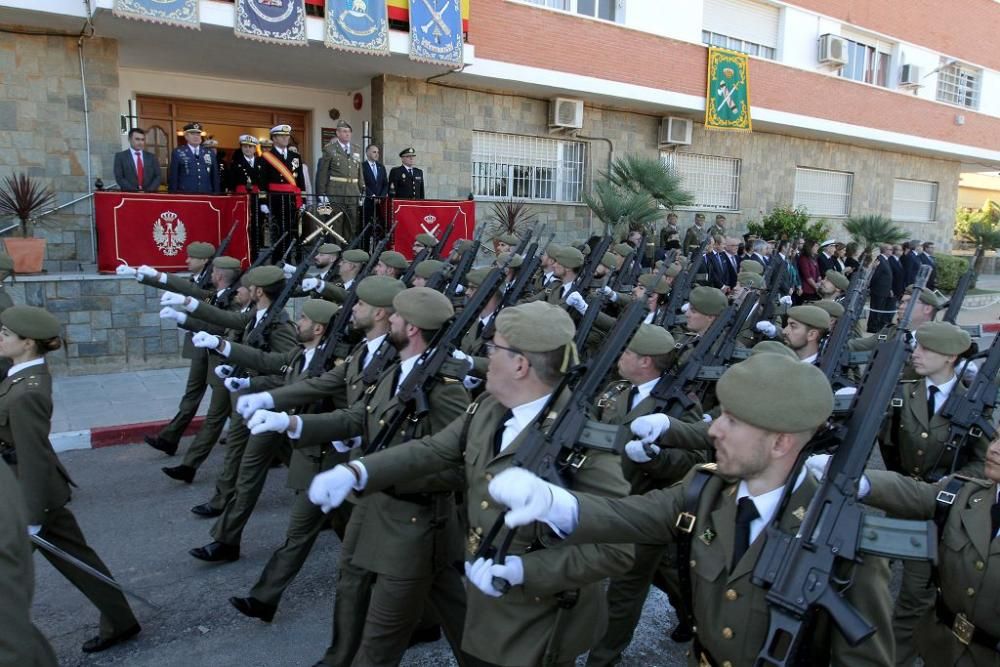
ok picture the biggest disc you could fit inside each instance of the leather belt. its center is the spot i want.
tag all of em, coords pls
(964, 630)
(343, 179)
(422, 499)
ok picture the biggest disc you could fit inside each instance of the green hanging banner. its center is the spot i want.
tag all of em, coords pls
(727, 104)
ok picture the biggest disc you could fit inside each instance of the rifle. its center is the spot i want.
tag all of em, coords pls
(682, 286)
(413, 394)
(835, 355)
(630, 269)
(773, 277)
(204, 278)
(464, 264)
(799, 571)
(407, 276)
(553, 453)
(263, 257)
(964, 283)
(969, 414)
(513, 294)
(435, 252)
(590, 264)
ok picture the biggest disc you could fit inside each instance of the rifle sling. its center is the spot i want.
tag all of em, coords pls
(685, 532)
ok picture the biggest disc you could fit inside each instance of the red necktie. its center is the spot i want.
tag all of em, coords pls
(138, 168)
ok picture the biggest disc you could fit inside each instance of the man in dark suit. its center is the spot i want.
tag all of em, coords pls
(192, 167)
(898, 275)
(880, 292)
(406, 181)
(716, 271)
(136, 169)
(376, 186)
(825, 257)
(927, 257)
(910, 261)
(730, 262)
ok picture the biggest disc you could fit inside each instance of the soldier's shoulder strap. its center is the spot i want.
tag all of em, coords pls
(686, 521)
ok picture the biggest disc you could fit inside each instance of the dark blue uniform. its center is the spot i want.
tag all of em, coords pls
(191, 173)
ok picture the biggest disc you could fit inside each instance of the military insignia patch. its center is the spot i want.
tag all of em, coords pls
(799, 513)
(707, 536)
(207, 157)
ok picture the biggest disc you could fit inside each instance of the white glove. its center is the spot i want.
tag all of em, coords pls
(126, 270)
(576, 301)
(480, 574)
(323, 199)
(172, 299)
(288, 270)
(636, 450)
(767, 328)
(344, 446)
(526, 494)
(970, 372)
(265, 421)
(34, 529)
(610, 293)
(816, 465)
(707, 418)
(330, 488)
(168, 313)
(462, 356)
(264, 209)
(846, 391)
(649, 428)
(459, 289)
(205, 340)
(146, 271)
(313, 284)
(236, 384)
(222, 371)
(251, 403)
(686, 307)
(785, 300)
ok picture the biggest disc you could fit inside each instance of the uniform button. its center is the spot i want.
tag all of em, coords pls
(916, 470)
(731, 595)
(413, 519)
(727, 633)
(920, 452)
(694, 563)
(538, 599)
(484, 505)
(924, 435)
(726, 663)
(371, 408)
(970, 591)
(980, 565)
(479, 530)
(489, 477)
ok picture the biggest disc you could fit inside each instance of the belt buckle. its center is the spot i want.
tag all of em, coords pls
(945, 498)
(685, 522)
(963, 629)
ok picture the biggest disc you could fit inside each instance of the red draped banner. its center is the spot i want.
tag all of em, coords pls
(154, 229)
(432, 216)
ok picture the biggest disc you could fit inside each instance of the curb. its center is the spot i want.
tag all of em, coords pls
(110, 436)
(992, 327)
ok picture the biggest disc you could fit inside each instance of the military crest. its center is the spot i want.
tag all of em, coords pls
(279, 21)
(436, 32)
(360, 26)
(169, 233)
(430, 220)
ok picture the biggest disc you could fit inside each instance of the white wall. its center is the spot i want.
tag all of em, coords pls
(927, 61)
(679, 20)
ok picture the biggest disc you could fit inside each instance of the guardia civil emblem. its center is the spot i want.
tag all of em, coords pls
(169, 233)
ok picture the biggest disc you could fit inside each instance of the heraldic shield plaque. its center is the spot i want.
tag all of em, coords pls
(136, 228)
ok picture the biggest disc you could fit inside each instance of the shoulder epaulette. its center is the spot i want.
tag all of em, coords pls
(985, 483)
(708, 467)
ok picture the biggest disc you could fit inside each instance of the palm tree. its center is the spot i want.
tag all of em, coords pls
(621, 208)
(650, 176)
(873, 230)
(981, 227)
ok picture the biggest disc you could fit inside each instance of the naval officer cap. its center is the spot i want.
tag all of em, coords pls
(423, 307)
(379, 291)
(811, 316)
(427, 240)
(942, 338)
(319, 311)
(833, 308)
(409, 151)
(708, 300)
(30, 322)
(427, 268)
(200, 250)
(538, 326)
(567, 256)
(394, 260)
(248, 140)
(356, 255)
(651, 340)
(226, 262)
(265, 276)
(194, 128)
(281, 130)
(328, 249)
(798, 398)
(661, 287)
(773, 347)
(751, 266)
(837, 279)
(748, 279)
(475, 277)
(515, 262)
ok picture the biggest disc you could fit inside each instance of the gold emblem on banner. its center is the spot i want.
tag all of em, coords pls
(169, 233)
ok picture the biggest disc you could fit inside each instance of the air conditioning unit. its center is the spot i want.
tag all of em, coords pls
(832, 50)
(675, 131)
(564, 112)
(909, 76)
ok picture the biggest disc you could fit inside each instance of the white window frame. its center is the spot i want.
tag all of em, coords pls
(931, 202)
(710, 38)
(706, 177)
(959, 84)
(573, 7)
(875, 47)
(529, 168)
(807, 189)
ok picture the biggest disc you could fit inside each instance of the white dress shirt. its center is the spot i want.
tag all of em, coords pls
(521, 417)
(25, 364)
(943, 391)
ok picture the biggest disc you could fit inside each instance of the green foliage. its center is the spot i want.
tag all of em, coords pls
(23, 197)
(948, 270)
(873, 230)
(650, 176)
(980, 227)
(785, 223)
(510, 216)
(621, 208)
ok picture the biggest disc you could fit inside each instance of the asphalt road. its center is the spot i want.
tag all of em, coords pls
(139, 522)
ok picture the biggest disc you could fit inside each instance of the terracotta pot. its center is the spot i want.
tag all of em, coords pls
(26, 253)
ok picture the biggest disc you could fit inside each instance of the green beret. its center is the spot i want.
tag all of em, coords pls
(329, 249)
(708, 300)
(265, 276)
(509, 239)
(423, 307)
(428, 268)
(646, 280)
(838, 279)
(583, 247)
(672, 271)
(683, 261)
(830, 306)
(940, 337)
(394, 260)
(748, 279)
(379, 291)
(811, 316)
(773, 347)
(515, 261)
(568, 256)
(6, 263)
(651, 340)
(200, 250)
(226, 262)
(356, 255)
(798, 396)
(475, 277)
(319, 311)
(751, 266)
(609, 261)
(928, 297)
(537, 326)
(426, 240)
(245, 280)
(461, 245)
(551, 250)
(622, 249)
(30, 322)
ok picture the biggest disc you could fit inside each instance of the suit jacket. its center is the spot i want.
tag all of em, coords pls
(376, 185)
(402, 185)
(927, 260)
(716, 271)
(911, 265)
(880, 285)
(195, 174)
(898, 276)
(128, 179)
(825, 263)
(729, 273)
(239, 172)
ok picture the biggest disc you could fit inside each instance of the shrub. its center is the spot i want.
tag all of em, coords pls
(785, 223)
(949, 269)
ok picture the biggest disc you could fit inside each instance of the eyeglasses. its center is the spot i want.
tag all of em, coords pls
(491, 347)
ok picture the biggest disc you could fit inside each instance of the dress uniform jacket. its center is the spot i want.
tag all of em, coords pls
(342, 385)
(187, 287)
(241, 176)
(921, 440)
(731, 613)
(338, 173)
(516, 629)
(193, 173)
(692, 238)
(968, 562)
(270, 176)
(281, 338)
(406, 184)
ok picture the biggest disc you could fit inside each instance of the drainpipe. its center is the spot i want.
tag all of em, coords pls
(86, 32)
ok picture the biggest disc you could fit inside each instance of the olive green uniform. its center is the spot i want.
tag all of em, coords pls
(338, 176)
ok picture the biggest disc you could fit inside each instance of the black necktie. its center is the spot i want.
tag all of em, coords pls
(932, 393)
(498, 434)
(746, 512)
(362, 355)
(632, 393)
(995, 518)
(479, 329)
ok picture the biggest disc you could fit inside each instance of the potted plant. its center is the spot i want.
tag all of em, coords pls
(23, 198)
(509, 216)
